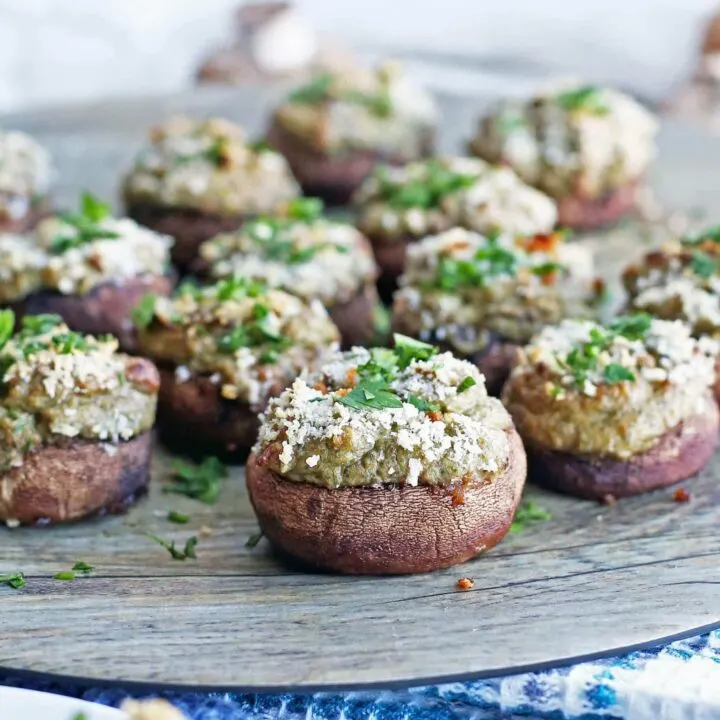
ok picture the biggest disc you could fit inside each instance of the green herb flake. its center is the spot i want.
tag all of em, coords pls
(39, 324)
(371, 393)
(408, 349)
(314, 92)
(188, 550)
(65, 576)
(7, 325)
(177, 517)
(704, 265)
(466, 384)
(144, 312)
(80, 716)
(423, 405)
(528, 513)
(710, 234)
(199, 482)
(615, 373)
(588, 98)
(83, 568)
(254, 539)
(14, 580)
(86, 225)
(305, 209)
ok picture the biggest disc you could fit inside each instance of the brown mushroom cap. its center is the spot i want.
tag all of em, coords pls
(106, 308)
(679, 454)
(188, 226)
(387, 530)
(355, 319)
(59, 483)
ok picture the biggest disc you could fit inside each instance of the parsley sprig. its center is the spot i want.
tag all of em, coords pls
(582, 361)
(587, 98)
(86, 225)
(14, 580)
(188, 550)
(426, 192)
(489, 261)
(199, 482)
(322, 88)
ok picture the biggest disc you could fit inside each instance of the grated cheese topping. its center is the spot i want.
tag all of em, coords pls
(322, 259)
(438, 434)
(25, 173)
(362, 108)
(680, 281)
(208, 165)
(583, 139)
(462, 289)
(434, 195)
(21, 266)
(249, 340)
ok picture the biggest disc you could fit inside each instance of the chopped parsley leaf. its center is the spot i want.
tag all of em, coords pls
(466, 384)
(200, 482)
(188, 550)
(711, 234)
(528, 513)
(254, 539)
(423, 405)
(83, 568)
(14, 580)
(177, 517)
(315, 91)
(39, 324)
(408, 349)
(7, 325)
(371, 393)
(704, 265)
(86, 225)
(587, 98)
(66, 576)
(144, 312)
(615, 373)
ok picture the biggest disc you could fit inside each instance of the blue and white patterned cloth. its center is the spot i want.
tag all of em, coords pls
(680, 681)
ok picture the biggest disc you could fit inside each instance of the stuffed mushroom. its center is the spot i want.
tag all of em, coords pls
(87, 267)
(615, 410)
(300, 251)
(75, 422)
(197, 179)
(398, 206)
(335, 129)
(483, 297)
(386, 462)
(587, 147)
(223, 351)
(681, 281)
(25, 177)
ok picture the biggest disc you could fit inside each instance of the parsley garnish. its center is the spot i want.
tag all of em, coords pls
(314, 92)
(80, 716)
(236, 288)
(704, 265)
(66, 576)
(39, 324)
(466, 384)
(528, 513)
(65, 343)
(423, 405)
(178, 518)
(304, 208)
(320, 89)
(14, 580)
(7, 325)
(200, 482)
(371, 393)
(546, 268)
(86, 224)
(144, 312)
(83, 568)
(188, 550)
(711, 234)
(408, 349)
(254, 539)
(615, 373)
(488, 261)
(587, 98)
(427, 192)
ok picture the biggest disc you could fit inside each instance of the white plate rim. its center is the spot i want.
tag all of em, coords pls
(21, 704)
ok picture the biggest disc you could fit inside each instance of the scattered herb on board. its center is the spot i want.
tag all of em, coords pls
(83, 568)
(86, 225)
(199, 482)
(174, 516)
(528, 513)
(66, 575)
(254, 539)
(425, 192)
(588, 98)
(144, 312)
(464, 584)
(14, 580)
(188, 550)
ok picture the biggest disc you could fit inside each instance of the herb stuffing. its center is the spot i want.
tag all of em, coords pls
(86, 225)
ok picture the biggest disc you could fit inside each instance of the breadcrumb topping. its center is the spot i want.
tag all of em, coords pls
(362, 108)
(590, 138)
(319, 258)
(434, 195)
(208, 165)
(441, 427)
(463, 289)
(248, 339)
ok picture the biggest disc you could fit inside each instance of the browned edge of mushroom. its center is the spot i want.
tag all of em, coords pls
(355, 318)
(76, 479)
(386, 530)
(580, 212)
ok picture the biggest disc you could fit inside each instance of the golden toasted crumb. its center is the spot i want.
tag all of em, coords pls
(151, 710)
(465, 584)
(205, 531)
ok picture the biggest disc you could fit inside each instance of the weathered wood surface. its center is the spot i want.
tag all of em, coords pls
(591, 580)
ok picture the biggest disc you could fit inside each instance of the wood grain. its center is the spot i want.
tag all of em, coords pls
(591, 580)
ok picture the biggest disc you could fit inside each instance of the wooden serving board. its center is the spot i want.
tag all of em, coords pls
(592, 580)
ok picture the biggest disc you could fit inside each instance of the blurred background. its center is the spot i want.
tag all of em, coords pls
(61, 51)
